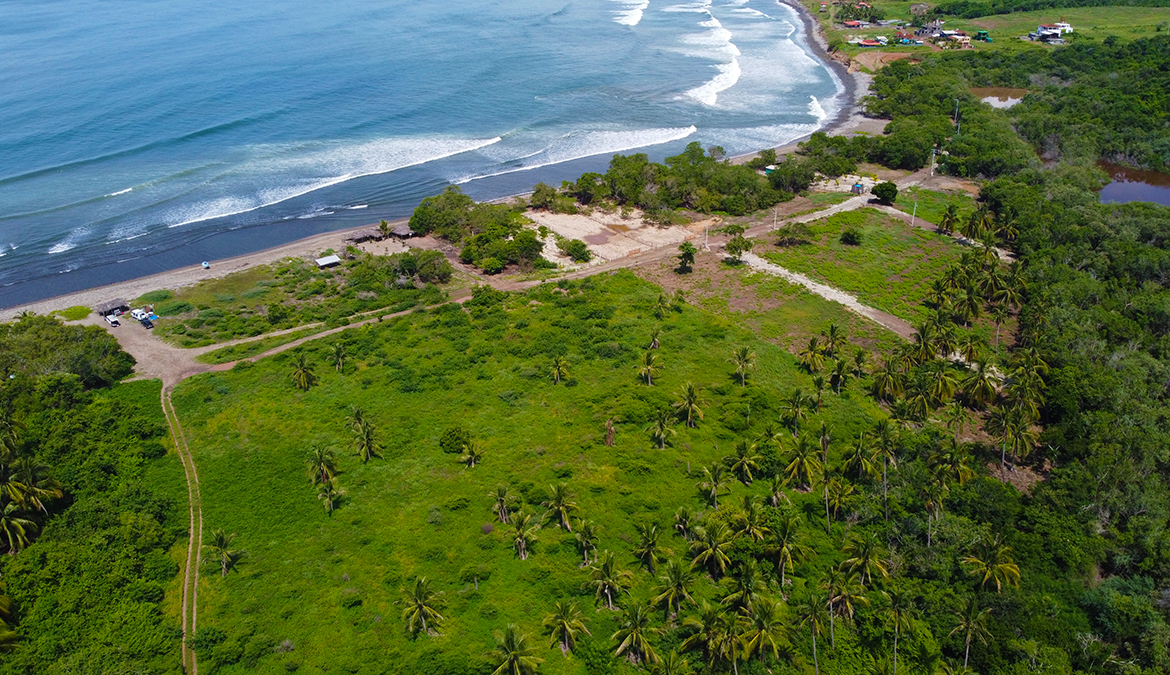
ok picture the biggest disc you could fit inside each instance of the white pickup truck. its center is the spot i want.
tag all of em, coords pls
(138, 314)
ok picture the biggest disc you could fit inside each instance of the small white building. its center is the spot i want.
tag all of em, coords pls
(328, 261)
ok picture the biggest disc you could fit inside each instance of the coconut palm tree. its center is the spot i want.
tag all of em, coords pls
(744, 461)
(714, 480)
(859, 459)
(303, 376)
(979, 385)
(950, 462)
(864, 557)
(745, 587)
(338, 354)
(219, 548)
(839, 491)
(356, 419)
(834, 339)
(648, 551)
(899, 614)
(420, 607)
(517, 655)
(561, 506)
(795, 409)
(673, 589)
(634, 633)
(709, 548)
(16, 530)
(649, 367)
(502, 501)
(606, 580)
(671, 664)
(744, 360)
(946, 340)
(586, 536)
(365, 441)
(818, 382)
(329, 493)
(1013, 430)
(523, 533)
(560, 369)
(706, 631)
(776, 486)
(888, 381)
(950, 220)
(684, 523)
(751, 522)
(322, 464)
(689, 404)
(662, 306)
(860, 361)
(840, 376)
(971, 625)
(660, 428)
(31, 485)
(845, 594)
(812, 613)
(812, 357)
(991, 562)
(473, 453)
(564, 625)
(654, 333)
(971, 347)
(765, 631)
(999, 314)
(885, 449)
(786, 546)
(803, 465)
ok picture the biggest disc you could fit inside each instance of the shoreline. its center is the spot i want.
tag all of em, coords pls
(848, 117)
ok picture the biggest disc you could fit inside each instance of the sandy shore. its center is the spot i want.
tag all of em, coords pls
(309, 247)
(848, 119)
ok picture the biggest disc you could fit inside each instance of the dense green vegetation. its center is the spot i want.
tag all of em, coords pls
(977, 8)
(89, 506)
(296, 292)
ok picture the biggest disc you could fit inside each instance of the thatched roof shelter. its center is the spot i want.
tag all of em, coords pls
(111, 306)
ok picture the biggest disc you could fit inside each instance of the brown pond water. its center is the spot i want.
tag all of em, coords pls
(1135, 185)
(999, 97)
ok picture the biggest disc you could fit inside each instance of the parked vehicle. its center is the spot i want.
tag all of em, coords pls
(138, 314)
(146, 323)
(113, 320)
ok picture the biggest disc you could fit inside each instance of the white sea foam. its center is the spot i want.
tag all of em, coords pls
(577, 145)
(815, 109)
(302, 169)
(631, 15)
(718, 41)
(359, 206)
(696, 7)
(708, 93)
(120, 192)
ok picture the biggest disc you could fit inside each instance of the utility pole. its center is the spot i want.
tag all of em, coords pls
(774, 210)
(914, 215)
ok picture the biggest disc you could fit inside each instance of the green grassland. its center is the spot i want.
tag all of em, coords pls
(328, 584)
(933, 203)
(1096, 22)
(891, 270)
(254, 347)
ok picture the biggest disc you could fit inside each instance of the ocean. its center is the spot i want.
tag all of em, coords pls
(138, 136)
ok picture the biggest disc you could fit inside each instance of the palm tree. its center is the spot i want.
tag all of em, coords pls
(776, 485)
(971, 624)
(885, 448)
(971, 347)
(999, 313)
(502, 501)
(706, 631)
(338, 353)
(864, 556)
(420, 607)
(812, 614)
(660, 429)
(979, 385)
(744, 360)
(689, 404)
(859, 459)
(662, 306)
(671, 664)
(888, 381)
(845, 593)
(649, 367)
(942, 382)
(654, 333)
(992, 561)
(709, 549)
(1012, 427)
(563, 626)
(303, 376)
(32, 484)
(745, 587)
(473, 453)
(607, 580)
(329, 493)
(633, 635)
(356, 419)
(840, 375)
(786, 545)
(803, 467)
(950, 462)
(523, 533)
(744, 461)
(834, 339)
(949, 220)
(322, 463)
(587, 540)
(365, 441)
(560, 505)
(684, 523)
(795, 409)
(812, 357)
(15, 529)
(517, 654)
(751, 521)
(714, 480)
(674, 588)
(818, 382)
(766, 631)
(946, 340)
(899, 614)
(648, 552)
(219, 548)
(838, 491)
(860, 358)
(560, 369)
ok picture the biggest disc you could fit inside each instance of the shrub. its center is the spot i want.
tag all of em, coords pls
(173, 308)
(155, 296)
(491, 265)
(453, 439)
(851, 237)
(575, 249)
(887, 192)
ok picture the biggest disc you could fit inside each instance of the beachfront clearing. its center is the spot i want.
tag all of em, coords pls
(891, 269)
(610, 236)
(329, 585)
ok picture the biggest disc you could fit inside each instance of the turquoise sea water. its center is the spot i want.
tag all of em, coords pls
(143, 135)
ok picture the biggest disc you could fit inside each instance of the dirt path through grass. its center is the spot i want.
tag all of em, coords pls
(190, 592)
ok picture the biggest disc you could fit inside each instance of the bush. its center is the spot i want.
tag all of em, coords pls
(887, 192)
(173, 307)
(575, 249)
(453, 439)
(491, 265)
(851, 237)
(75, 313)
(155, 296)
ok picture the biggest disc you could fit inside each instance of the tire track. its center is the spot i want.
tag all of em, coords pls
(190, 594)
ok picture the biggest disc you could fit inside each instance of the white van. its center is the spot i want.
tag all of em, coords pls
(138, 314)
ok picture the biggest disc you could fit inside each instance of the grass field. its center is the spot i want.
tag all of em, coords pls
(891, 270)
(328, 585)
(933, 203)
(247, 349)
(1098, 22)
